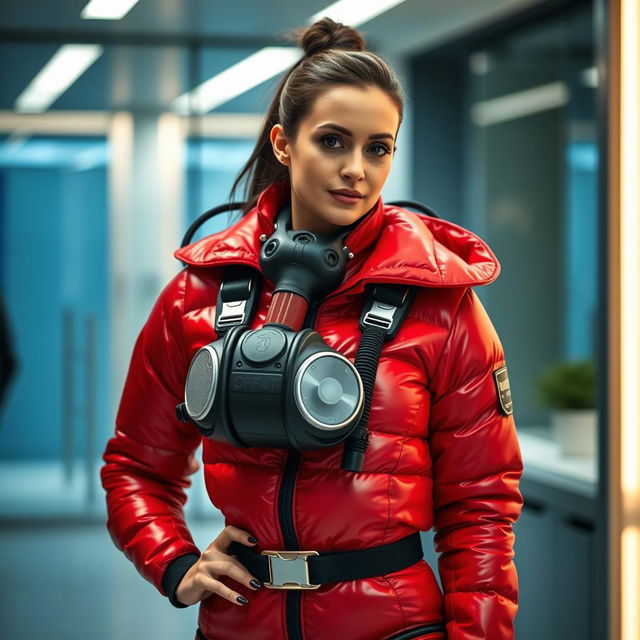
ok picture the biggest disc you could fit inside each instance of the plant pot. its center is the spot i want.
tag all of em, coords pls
(575, 431)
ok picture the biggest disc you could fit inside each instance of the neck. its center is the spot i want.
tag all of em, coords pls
(322, 227)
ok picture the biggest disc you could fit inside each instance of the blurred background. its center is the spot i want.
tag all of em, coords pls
(116, 133)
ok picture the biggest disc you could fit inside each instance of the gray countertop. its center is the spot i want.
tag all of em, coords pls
(543, 461)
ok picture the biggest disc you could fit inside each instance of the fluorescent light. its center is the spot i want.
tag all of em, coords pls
(270, 61)
(107, 9)
(589, 77)
(66, 65)
(237, 79)
(354, 12)
(520, 104)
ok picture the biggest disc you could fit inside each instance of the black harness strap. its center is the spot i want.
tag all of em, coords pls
(385, 309)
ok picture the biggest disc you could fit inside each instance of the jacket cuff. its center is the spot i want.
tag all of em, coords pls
(174, 573)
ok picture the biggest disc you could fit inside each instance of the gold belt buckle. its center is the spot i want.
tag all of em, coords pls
(289, 569)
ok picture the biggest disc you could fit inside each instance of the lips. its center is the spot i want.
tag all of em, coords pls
(346, 192)
(340, 196)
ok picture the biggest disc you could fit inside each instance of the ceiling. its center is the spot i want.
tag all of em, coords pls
(147, 61)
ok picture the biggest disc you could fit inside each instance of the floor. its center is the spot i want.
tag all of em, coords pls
(62, 577)
(69, 582)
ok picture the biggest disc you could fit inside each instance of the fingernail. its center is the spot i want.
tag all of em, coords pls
(242, 600)
(252, 539)
(255, 583)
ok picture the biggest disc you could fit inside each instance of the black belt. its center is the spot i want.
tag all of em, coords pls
(310, 569)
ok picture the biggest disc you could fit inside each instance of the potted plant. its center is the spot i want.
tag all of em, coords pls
(568, 388)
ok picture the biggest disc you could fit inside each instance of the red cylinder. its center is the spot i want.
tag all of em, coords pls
(287, 308)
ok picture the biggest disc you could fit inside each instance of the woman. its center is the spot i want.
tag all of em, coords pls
(443, 449)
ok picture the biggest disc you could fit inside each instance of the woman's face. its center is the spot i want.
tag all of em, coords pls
(346, 142)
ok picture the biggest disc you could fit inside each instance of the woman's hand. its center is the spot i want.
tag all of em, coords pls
(201, 581)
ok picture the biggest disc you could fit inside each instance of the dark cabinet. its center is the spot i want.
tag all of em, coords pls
(575, 584)
(535, 538)
(555, 558)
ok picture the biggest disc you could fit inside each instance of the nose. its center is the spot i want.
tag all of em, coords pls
(353, 168)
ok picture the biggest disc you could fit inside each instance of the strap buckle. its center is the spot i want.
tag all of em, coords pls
(236, 298)
(289, 569)
(386, 307)
(380, 315)
(232, 313)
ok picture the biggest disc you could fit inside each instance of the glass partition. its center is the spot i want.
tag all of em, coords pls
(96, 192)
(532, 194)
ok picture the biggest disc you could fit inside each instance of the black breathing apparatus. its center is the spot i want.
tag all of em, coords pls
(282, 385)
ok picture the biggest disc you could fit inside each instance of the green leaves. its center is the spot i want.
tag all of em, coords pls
(568, 385)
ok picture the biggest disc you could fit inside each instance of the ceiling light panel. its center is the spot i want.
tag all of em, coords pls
(354, 12)
(107, 9)
(237, 79)
(66, 65)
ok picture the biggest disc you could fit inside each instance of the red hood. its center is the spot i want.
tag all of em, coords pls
(390, 244)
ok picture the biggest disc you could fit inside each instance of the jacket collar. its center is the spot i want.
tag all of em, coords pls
(390, 244)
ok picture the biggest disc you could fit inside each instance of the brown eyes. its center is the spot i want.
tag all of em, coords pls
(381, 149)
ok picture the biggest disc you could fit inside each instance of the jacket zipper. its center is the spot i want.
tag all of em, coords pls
(285, 512)
(287, 487)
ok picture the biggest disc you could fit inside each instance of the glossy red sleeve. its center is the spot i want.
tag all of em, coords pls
(146, 461)
(477, 466)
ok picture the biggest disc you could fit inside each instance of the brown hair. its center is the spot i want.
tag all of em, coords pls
(334, 54)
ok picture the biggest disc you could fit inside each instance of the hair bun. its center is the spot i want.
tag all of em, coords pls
(326, 34)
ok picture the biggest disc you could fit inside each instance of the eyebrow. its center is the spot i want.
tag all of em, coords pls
(337, 127)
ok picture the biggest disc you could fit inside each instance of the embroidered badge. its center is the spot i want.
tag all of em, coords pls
(504, 390)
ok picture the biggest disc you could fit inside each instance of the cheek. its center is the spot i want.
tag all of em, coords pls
(312, 168)
(320, 162)
(378, 175)
(381, 171)
(306, 160)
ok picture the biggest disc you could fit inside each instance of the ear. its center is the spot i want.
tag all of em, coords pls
(280, 145)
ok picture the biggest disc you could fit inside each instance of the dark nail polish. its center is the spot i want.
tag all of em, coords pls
(255, 583)
(242, 600)
(252, 539)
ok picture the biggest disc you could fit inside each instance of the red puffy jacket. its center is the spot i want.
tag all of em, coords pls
(443, 450)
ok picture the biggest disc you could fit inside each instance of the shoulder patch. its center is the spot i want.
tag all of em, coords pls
(504, 390)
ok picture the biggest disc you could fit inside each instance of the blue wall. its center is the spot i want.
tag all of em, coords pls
(54, 255)
(54, 239)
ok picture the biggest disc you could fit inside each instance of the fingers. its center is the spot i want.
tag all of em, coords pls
(234, 569)
(221, 589)
(230, 533)
(216, 562)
